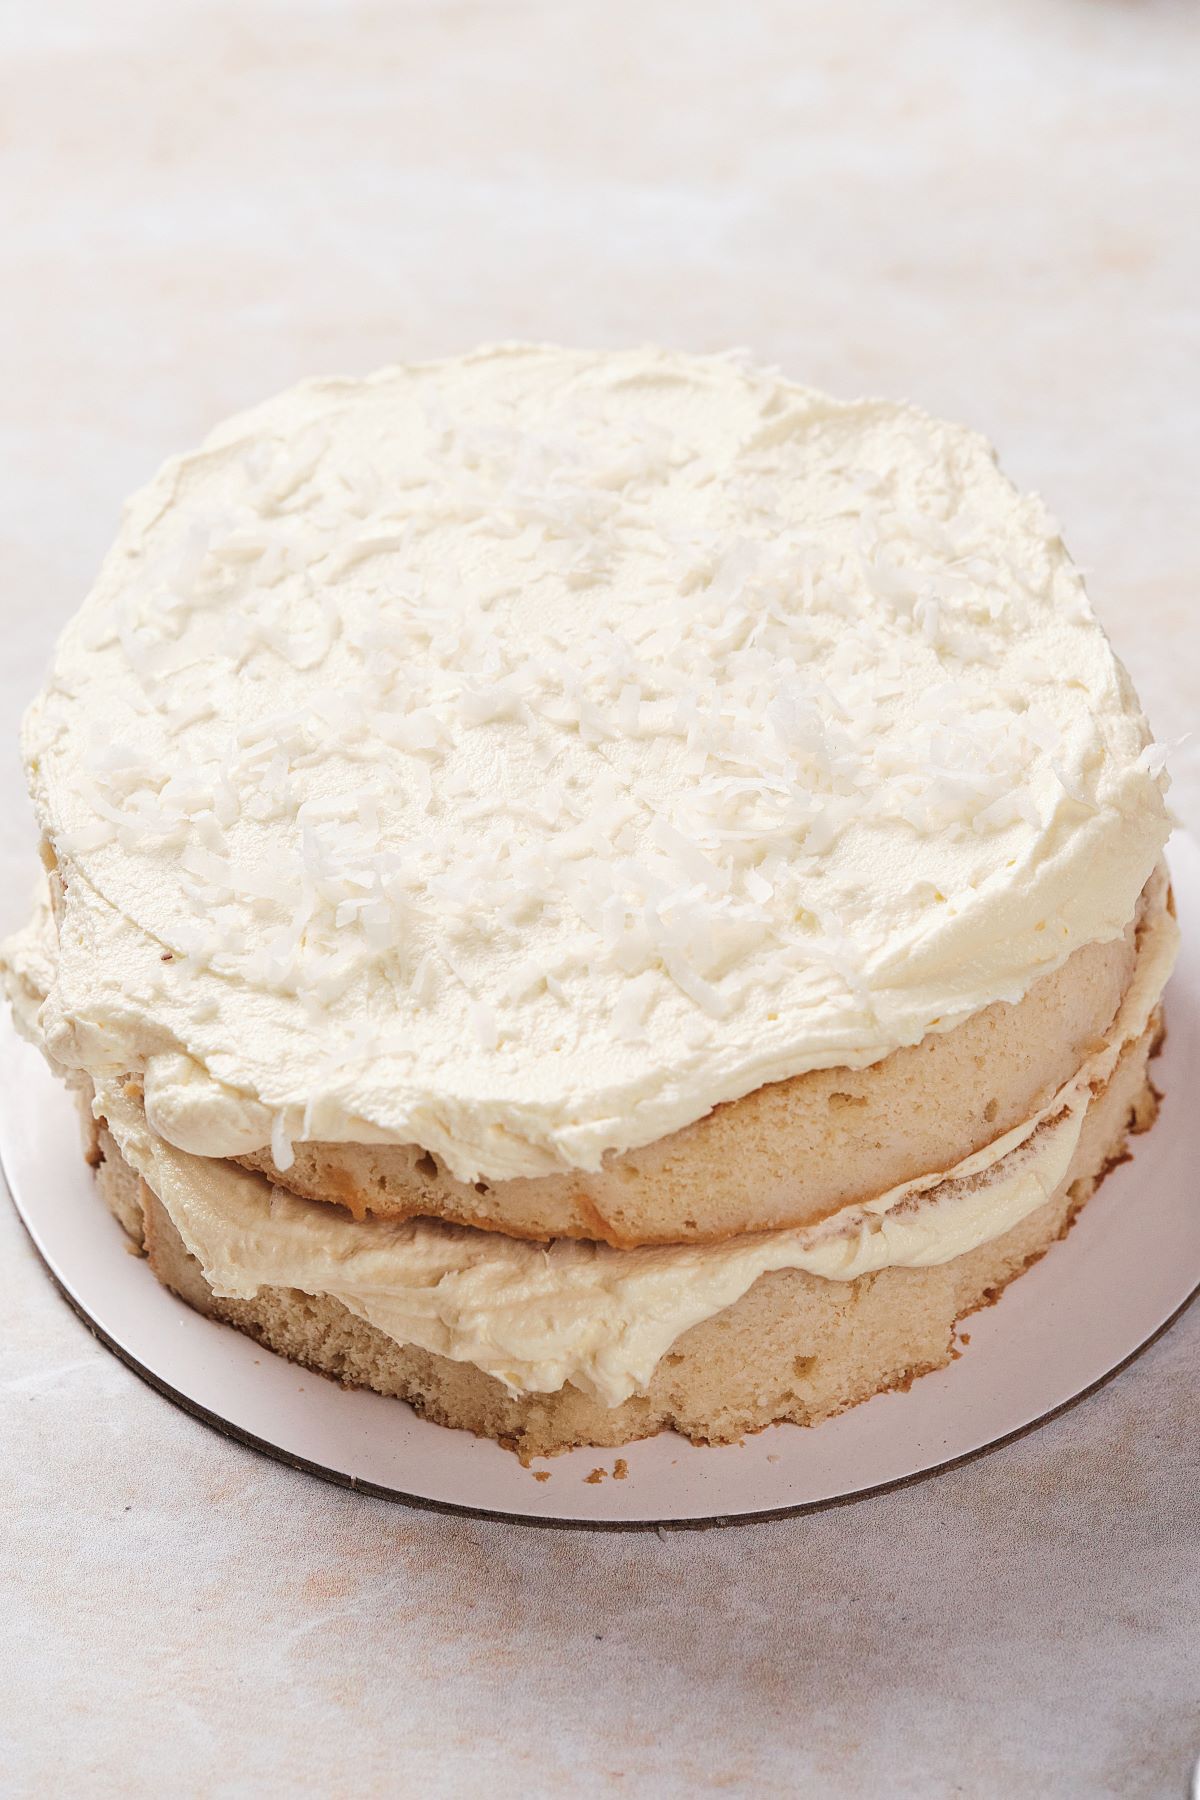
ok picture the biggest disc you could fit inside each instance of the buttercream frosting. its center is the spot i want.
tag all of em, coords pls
(536, 1317)
(521, 754)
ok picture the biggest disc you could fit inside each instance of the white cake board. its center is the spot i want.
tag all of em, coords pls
(1128, 1267)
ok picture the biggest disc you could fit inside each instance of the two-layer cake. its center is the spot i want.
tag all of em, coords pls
(595, 892)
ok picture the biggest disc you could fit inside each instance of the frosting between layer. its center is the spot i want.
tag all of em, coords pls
(521, 755)
(536, 1317)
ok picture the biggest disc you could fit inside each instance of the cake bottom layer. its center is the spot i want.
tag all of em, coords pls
(795, 1347)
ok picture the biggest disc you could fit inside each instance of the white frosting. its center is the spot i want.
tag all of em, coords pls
(535, 1317)
(522, 754)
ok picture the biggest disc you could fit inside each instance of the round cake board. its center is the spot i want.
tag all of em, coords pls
(1124, 1272)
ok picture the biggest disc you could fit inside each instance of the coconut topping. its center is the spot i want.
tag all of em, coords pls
(520, 755)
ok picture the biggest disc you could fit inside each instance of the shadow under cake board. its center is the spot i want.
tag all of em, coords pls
(1064, 1328)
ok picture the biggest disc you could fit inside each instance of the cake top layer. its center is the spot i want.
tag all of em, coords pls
(521, 754)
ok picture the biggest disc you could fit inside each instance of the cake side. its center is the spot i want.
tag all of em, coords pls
(794, 1348)
(788, 1154)
(599, 1319)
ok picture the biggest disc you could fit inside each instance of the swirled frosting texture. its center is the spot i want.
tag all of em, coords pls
(520, 755)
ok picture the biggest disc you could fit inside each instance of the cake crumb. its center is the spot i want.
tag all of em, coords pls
(541, 1474)
(596, 1477)
(964, 1337)
(620, 1469)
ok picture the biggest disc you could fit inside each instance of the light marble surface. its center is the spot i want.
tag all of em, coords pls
(989, 208)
